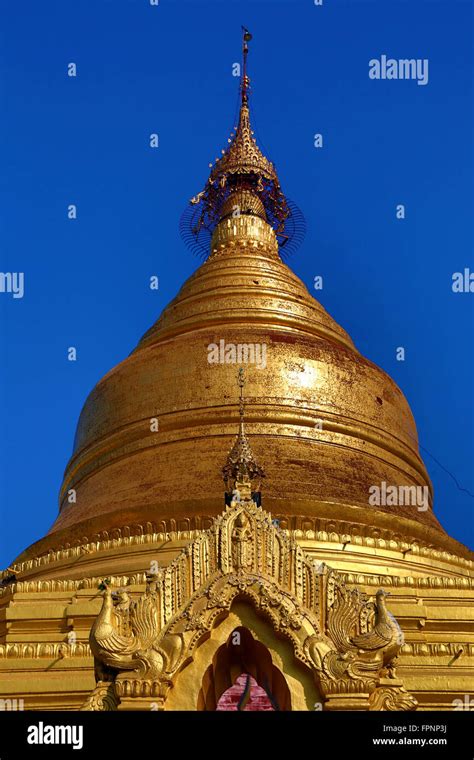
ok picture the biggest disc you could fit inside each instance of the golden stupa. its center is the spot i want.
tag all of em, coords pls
(159, 584)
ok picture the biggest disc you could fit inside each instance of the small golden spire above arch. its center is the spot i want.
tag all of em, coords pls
(242, 474)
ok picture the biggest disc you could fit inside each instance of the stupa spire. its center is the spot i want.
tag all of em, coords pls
(242, 182)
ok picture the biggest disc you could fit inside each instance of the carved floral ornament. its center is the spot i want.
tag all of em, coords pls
(348, 641)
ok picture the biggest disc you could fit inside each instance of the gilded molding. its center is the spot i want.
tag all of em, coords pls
(53, 585)
(436, 649)
(55, 651)
(61, 650)
(137, 534)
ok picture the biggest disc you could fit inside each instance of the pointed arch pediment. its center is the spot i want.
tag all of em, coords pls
(246, 555)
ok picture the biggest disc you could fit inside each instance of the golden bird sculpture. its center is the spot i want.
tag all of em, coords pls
(126, 634)
(359, 656)
(386, 636)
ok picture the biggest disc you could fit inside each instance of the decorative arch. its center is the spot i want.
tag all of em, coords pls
(346, 640)
(185, 693)
(243, 654)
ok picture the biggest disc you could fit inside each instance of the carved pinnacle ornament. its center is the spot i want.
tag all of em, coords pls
(241, 472)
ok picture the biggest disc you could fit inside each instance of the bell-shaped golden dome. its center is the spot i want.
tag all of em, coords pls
(325, 423)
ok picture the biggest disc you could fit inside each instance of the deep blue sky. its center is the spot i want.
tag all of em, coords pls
(168, 69)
